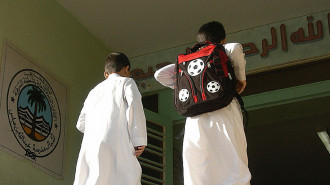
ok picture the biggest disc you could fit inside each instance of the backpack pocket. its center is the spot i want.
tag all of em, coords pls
(212, 87)
(186, 95)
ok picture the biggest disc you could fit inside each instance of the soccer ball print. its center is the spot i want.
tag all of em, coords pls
(183, 95)
(213, 87)
(195, 67)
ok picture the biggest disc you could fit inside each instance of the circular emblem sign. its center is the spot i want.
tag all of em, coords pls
(33, 113)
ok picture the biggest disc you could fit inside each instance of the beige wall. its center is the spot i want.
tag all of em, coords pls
(56, 41)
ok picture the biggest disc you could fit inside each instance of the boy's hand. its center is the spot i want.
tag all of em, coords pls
(139, 150)
(240, 86)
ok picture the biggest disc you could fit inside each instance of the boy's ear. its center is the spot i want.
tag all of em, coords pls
(127, 68)
(106, 75)
(223, 41)
(125, 71)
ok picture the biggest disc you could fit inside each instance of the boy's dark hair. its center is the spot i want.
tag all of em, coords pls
(115, 62)
(211, 31)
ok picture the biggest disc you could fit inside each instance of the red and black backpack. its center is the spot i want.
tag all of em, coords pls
(205, 80)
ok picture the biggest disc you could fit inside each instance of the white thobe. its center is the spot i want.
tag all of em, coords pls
(113, 123)
(214, 144)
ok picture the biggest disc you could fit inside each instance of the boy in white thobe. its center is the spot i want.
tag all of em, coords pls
(214, 145)
(114, 127)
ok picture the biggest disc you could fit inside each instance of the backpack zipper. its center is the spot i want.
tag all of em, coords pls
(208, 65)
(192, 86)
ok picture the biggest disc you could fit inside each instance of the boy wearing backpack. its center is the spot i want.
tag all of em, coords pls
(214, 145)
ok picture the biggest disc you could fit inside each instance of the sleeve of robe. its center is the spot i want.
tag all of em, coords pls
(165, 76)
(81, 121)
(135, 114)
(82, 117)
(235, 52)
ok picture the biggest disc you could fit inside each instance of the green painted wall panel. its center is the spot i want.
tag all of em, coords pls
(287, 95)
(166, 105)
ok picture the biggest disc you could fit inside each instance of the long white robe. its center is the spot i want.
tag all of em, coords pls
(214, 145)
(113, 123)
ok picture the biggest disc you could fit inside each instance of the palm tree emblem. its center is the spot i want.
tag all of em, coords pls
(36, 98)
(34, 113)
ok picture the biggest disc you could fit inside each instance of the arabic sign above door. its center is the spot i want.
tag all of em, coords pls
(266, 47)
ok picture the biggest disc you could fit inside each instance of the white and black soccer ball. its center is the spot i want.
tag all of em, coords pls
(195, 67)
(213, 87)
(183, 95)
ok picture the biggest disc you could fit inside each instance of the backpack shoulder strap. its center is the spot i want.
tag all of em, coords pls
(196, 47)
(244, 111)
(220, 60)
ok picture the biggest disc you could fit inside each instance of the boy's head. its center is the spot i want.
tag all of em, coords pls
(116, 63)
(211, 31)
